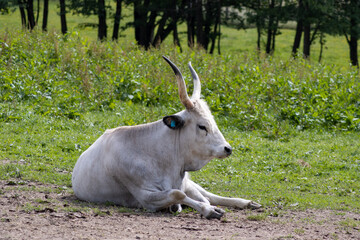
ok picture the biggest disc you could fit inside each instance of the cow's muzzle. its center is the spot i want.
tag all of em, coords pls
(228, 150)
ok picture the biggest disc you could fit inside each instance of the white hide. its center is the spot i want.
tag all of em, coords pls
(146, 166)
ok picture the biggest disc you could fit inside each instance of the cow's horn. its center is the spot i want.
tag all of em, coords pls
(197, 85)
(184, 98)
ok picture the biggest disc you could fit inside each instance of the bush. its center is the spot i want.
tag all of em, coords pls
(66, 76)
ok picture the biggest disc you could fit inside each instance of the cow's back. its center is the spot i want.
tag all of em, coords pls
(101, 173)
(92, 180)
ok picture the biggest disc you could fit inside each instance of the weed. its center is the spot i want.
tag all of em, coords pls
(74, 209)
(41, 201)
(28, 207)
(350, 223)
(299, 231)
(258, 217)
(285, 237)
(334, 236)
(99, 212)
(125, 210)
(293, 125)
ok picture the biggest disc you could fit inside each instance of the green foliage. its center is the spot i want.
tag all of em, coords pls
(312, 169)
(58, 94)
(67, 76)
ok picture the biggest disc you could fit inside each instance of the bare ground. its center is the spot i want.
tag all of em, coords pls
(38, 211)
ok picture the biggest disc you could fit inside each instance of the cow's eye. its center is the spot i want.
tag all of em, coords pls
(203, 128)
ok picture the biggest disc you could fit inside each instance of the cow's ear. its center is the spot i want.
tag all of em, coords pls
(174, 121)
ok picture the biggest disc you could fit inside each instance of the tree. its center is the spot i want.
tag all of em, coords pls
(156, 14)
(311, 17)
(255, 14)
(63, 17)
(354, 31)
(299, 27)
(348, 15)
(217, 31)
(30, 14)
(117, 20)
(203, 19)
(26, 8)
(45, 15)
(190, 22)
(22, 14)
(5, 6)
(92, 7)
(275, 12)
(144, 26)
(102, 29)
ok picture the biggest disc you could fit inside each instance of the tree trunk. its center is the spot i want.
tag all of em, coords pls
(140, 22)
(297, 40)
(299, 29)
(307, 32)
(353, 50)
(270, 30)
(210, 17)
(137, 21)
(275, 30)
(63, 17)
(175, 15)
(115, 35)
(274, 36)
(102, 30)
(219, 52)
(38, 12)
(30, 13)
(190, 20)
(200, 38)
(354, 33)
(176, 39)
(150, 28)
(22, 13)
(45, 15)
(307, 41)
(217, 25)
(213, 39)
(258, 44)
(322, 43)
(160, 34)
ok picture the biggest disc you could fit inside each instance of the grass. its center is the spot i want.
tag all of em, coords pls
(294, 125)
(233, 41)
(270, 172)
(258, 217)
(45, 149)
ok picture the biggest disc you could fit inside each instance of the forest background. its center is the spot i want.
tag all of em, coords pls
(213, 25)
(293, 122)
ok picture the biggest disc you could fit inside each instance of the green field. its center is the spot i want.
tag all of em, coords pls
(294, 125)
(336, 50)
(316, 169)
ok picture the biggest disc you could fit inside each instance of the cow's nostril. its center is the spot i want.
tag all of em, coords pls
(228, 150)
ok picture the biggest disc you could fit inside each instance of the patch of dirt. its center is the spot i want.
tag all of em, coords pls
(39, 211)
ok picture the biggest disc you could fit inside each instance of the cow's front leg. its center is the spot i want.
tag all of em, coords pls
(176, 208)
(163, 199)
(218, 200)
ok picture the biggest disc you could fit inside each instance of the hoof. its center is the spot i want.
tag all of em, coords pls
(216, 213)
(176, 208)
(254, 205)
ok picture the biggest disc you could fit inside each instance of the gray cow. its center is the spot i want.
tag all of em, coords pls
(146, 166)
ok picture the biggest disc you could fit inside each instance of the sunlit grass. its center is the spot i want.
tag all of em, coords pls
(294, 125)
(273, 173)
(336, 50)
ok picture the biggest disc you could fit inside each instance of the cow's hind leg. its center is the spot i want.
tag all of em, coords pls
(163, 199)
(223, 201)
(176, 208)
